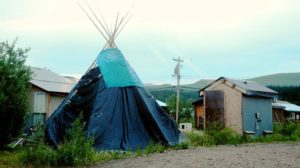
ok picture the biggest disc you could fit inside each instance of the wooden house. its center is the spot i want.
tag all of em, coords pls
(283, 111)
(48, 90)
(244, 106)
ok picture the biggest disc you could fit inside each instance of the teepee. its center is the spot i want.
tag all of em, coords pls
(120, 114)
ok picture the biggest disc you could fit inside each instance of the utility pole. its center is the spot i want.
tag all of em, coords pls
(177, 74)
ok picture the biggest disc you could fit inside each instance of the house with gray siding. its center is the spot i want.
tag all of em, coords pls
(244, 106)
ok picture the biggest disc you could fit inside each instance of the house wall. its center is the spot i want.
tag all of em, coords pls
(232, 107)
(52, 100)
(278, 115)
(199, 115)
(34, 90)
(54, 103)
(252, 106)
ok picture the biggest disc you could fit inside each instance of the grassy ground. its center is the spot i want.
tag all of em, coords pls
(79, 151)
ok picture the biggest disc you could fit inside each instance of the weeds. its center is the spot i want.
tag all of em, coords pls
(78, 150)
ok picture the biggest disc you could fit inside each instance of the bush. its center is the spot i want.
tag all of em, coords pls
(183, 145)
(14, 88)
(200, 139)
(39, 155)
(225, 136)
(152, 147)
(77, 149)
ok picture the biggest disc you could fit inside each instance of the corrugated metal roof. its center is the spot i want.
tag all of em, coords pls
(50, 81)
(287, 106)
(251, 86)
(161, 104)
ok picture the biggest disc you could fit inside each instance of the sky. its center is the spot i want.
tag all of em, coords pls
(234, 38)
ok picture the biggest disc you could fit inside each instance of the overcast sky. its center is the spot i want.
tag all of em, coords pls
(233, 38)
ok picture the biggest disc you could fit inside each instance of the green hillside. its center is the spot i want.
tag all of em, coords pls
(199, 84)
(280, 79)
(282, 83)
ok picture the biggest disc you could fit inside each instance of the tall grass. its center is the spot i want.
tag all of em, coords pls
(288, 131)
(76, 149)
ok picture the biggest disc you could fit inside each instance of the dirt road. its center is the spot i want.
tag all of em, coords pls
(243, 156)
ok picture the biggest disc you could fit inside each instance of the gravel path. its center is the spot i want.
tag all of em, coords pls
(243, 156)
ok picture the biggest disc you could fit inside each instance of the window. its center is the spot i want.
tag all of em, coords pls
(39, 108)
(39, 103)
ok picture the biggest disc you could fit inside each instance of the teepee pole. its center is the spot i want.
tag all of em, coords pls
(114, 32)
(124, 25)
(92, 21)
(94, 14)
(117, 26)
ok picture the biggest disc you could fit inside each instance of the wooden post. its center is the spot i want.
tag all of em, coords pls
(177, 73)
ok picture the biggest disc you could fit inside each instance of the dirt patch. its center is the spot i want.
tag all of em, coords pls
(242, 156)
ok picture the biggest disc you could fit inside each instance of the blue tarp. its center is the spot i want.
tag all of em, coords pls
(118, 118)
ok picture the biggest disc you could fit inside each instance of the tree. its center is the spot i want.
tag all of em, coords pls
(14, 91)
(188, 110)
(171, 104)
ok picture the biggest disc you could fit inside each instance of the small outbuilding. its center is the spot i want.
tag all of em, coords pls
(244, 106)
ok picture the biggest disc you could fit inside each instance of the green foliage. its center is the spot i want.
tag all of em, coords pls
(39, 155)
(224, 136)
(10, 159)
(14, 87)
(164, 94)
(186, 108)
(77, 149)
(181, 146)
(288, 93)
(171, 102)
(200, 139)
(287, 128)
(152, 148)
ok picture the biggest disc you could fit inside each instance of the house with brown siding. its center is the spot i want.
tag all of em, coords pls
(244, 106)
(48, 89)
(283, 111)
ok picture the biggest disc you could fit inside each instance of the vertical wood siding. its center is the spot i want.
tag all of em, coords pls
(253, 105)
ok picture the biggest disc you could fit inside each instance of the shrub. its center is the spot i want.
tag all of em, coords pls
(200, 139)
(152, 147)
(39, 155)
(14, 88)
(225, 136)
(288, 128)
(183, 145)
(77, 149)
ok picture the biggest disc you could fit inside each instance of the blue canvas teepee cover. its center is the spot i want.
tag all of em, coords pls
(120, 113)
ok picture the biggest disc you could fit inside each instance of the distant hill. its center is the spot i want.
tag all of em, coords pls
(280, 79)
(188, 87)
(199, 84)
(162, 92)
